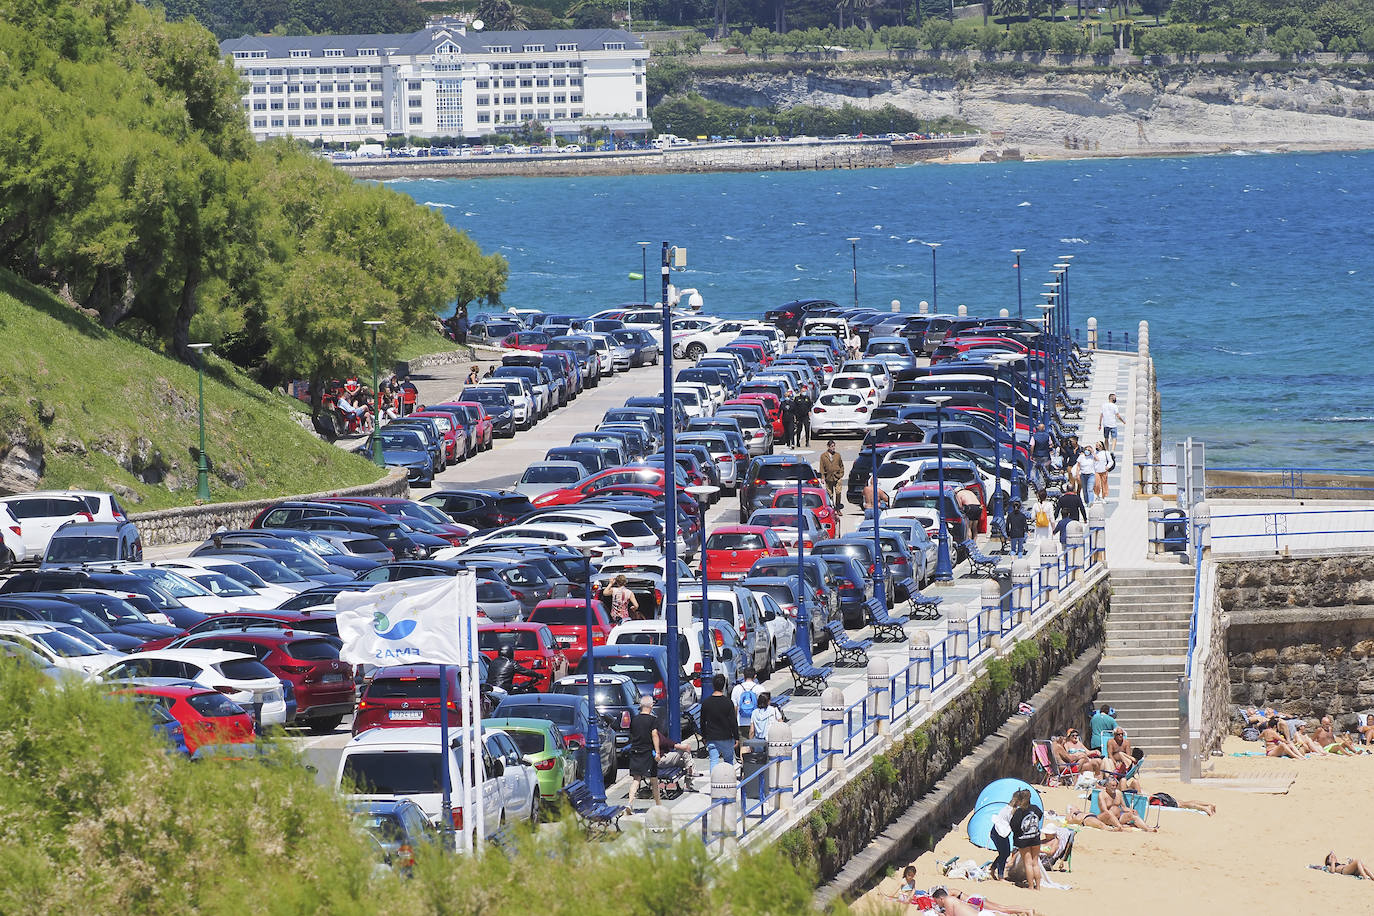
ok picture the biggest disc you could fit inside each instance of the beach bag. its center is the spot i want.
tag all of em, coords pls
(1250, 733)
(1042, 518)
(1164, 800)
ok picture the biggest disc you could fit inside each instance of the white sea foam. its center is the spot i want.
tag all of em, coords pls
(1233, 352)
(469, 212)
(731, 238)
(877, 227)
(1074, 241)
(1343, 419)
(435, 203)
(1024, 203)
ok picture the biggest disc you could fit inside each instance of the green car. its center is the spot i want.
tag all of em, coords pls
(542, 744)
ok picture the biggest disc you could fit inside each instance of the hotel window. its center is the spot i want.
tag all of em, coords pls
(374, 71)
(575, 81)
(308, 88)
(358, 70)
(259, 55)
(275, 90)
(499, 49)
(377, 119)
(326, 87)
(527, 66)
(259, 72)
(240, 55)
(560, 115)
(414, 103)
(577, 97)
(508, 66)
(543, 100)
(567, 47)
(307, 71)
(326, 71)
(639, 112)
(542, 65)
(309, 104)
(326, 121)
(259, 122)
(639, 96)
(508, 84)
(413, 85)
(526, 100)
(293, 122)
(543, 115)
(374, 87)
(293, 88)
(326, 103)
(259, 90)
(481, 84)
(276, 71)
(541, 83)
(639, 79)
(560, 99)
(278, 122)
(344, 103)
(276, 106)
(259, 106)
(534, 49)
(613, 46)
(293, 105)
(344, 120)
(333, 52)
(483, 118)
(483, 100)
(367, 52)
(576, 114)
(508, 100)
(560, 82)
(377, 103)
(362, 87)
(300, 53)
(310, 122)
(525, 84)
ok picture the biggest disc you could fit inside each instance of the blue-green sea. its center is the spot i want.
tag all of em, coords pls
(1254, 271)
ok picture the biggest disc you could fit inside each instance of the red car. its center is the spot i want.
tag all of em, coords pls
(629, 475)
(767, 401)
(323, 683)
(436, 522)
(307, 622)
(534, 646)
(207, 717)
(455, 437)
(404, 695)
(526, 340)
(566, 618)
(815, 499)
(732, 549)
(475, 417)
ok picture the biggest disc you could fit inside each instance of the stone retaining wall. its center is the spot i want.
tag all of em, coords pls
(190, 524)
(914, 790)
(1300, 634)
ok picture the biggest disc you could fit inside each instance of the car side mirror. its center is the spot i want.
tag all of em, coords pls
(767, 616)
(496, 769)
(727, 654)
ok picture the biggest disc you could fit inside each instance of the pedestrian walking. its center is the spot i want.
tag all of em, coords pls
(802, 406)
(1087, 474)
(1017, 525)
(1069, 507)
(789, 423)
(1042, 446)
(719, 727)
(644, 748)
(745, 699)
(1103, 462)
(832, 471)
(1109, 422)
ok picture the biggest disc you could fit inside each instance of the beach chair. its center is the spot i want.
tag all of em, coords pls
(849, 652)
(1054, 774)
(981, 564)
(1140, 804)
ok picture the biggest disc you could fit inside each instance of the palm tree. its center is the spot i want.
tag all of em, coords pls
(502, 16)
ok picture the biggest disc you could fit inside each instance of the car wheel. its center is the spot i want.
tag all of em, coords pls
(324, 725)
(6, 559)
(695, 351)
(536, 809)
(614, 771)
(654, 361)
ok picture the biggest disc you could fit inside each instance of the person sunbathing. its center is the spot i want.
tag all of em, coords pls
(1073, 743)
(1080, 818)
(956, 903)
(1343, 744)
(1080, 762)
(1119, 751)
(1348, 867)
(1304, 742)
(1114, 809)
(1274, 743)
(1367, 730)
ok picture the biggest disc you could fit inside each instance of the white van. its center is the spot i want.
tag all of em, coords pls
(388, 763)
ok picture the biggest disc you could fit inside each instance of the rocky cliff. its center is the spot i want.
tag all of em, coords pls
(1117, 111)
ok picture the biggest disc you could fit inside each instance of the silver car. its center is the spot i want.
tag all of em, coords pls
(542, 476)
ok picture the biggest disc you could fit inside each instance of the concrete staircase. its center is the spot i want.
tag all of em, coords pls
(1147, 649)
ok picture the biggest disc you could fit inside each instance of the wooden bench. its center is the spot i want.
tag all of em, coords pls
(886, 628)
(849, 652)
(923, 607)
(596, 816)
(810, 679)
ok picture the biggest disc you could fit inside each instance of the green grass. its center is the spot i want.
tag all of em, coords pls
(422, 342)
(111, 414)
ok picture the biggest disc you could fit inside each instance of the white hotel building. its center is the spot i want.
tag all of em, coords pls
(441, 81)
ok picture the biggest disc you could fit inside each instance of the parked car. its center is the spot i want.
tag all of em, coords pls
(237, 675)
(534, 646)
(208, 719)
(39, 517)
(58, 645)
(76, 543)
(732, 549)
(572, 714)
(543, 747)
(616, 698)
(399, 826)
(406, 696)
(480, 508)
(566, 619)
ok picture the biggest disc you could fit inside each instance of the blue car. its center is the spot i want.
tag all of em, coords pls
(403, 448)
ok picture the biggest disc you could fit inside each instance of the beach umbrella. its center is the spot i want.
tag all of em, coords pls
(990, 801)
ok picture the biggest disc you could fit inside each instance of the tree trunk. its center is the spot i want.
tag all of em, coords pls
(186, 310)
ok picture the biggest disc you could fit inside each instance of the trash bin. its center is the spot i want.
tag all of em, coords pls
(755, 758)
(1175, 532)
(1001, 574)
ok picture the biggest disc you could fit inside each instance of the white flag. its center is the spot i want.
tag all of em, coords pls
(415, 621)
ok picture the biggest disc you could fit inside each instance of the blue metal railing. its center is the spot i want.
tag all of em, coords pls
(702, 822)
(861, 722)
(904, 690)
(1293, 480)
(943, 657)
(1106, 340)
(1197, 592)
(1279, 524)
(759, 795)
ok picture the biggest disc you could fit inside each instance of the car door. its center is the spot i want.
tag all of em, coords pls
(509, 780)
(521, 784)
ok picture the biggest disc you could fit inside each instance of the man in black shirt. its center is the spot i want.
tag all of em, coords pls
(644, 748)
(718, 723)
(1069, 507)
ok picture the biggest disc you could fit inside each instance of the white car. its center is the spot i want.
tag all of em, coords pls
(190, 593)
(211, 572)
(880, 372)
(59, 645)
(650, 320)
(710, 400)
(387, 763)
(633, 533)
(726, 467)
(696, 336)
(104, 506)
(542, 476)
(11, 538)
(237, 675)
(856, 383)
(585, 538)
(691, 400)
(827, 325)
(526, 408)
(604, 347)
(655, 563)
(840, 412)
(39, 516)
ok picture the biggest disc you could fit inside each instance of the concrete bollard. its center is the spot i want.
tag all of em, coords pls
(1202, 524)
(785, 773)
(658, 825)
(722, 823)
(896, 305)
(1154, 512)
(1092, 333)
(923, 307)
(1021, 589)
(1004, 313)
(1074, 536)
(958, 628)
(1097, 534)
(881, 704)
(963, 311)
(832, 711)
(1049, 568)
(992, 604)
(918, 651)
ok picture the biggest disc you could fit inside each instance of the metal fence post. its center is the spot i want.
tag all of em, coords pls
(958, 628)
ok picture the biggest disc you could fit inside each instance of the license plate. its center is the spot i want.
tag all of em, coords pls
(565, 640)
(405, 715)
(331, 678)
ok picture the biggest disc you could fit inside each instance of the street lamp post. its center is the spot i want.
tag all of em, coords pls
(1018, 252)
(944, 569)
(644, 269)
(803, 627)
(1000, 507)
(202, 462)
(704, 493)
(674, 699)
(934, 286)
(1068, 262)
(854, 258)
(1047, 308)
(594, 779)
(375, 440)
(879, 573)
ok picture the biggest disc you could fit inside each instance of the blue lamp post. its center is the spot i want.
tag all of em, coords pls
(674, 685)
(879, 573)
(944, 569)
(1067, 260)
(999, 501)
(854, 257)
(376, 442)
(1050, 339)
(1018, 252)
(595, 782)
(802, 637)
(704, 493)
(644, 268)
(934, 286)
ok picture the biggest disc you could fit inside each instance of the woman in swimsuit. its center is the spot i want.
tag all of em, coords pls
(1081, 818)
(1274, 743)
(1348, 867)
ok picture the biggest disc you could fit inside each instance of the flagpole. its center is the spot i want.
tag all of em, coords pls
(446, 806)
(473, 716)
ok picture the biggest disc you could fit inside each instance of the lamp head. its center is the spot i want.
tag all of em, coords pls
(374, 323)
(198, 347)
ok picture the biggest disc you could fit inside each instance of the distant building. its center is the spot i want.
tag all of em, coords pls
(441, 81)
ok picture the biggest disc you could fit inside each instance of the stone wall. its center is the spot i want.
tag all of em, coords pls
(1300, 634)
(190, 524)
(1211, 667)
(916, 789)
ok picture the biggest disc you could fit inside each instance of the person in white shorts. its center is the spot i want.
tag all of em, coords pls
(1110, 421)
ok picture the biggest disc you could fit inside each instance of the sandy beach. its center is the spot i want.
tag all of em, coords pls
(1252, 858)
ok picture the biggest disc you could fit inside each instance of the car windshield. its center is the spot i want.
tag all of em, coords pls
(272, 571)
(651, 638)
(307, 566)
(495, 640)
(493, 592)
(561, 615)
(735, 540)
(606, 694)
(639, 670)
(214, 705)
(560, 715)
(83, 549)
(64, 644)
(527, 742)
(893, 347)
(112, 609)
(70, 613)
(551, 474)
(850, 382)
(175, 584)
(841, 400)
(312, 650)
(404, 688)
(720, 608)
(400, 441)
(379, 773)
(775, 472)
(787, 498)
(782, 594)
(220, 584)
(244, 669)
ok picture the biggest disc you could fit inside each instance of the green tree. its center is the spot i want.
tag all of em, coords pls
(502, 16)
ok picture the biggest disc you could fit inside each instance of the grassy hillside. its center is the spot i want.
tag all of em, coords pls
(106, 412)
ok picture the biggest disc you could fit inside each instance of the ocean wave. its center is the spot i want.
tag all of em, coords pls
(435, 203)
(731, 238)
(469, 212)
(1231, 352)
(1341, 419)
(1074, 241)
(1024, 203)
(877, 227)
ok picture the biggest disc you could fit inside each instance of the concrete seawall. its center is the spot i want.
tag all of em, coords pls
(734, 157)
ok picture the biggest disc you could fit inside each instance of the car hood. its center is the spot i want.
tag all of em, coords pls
(405, 456)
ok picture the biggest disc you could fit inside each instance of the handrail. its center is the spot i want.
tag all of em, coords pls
(1198, 528)
(1277, 524)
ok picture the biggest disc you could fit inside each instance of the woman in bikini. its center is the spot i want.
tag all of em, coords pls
(1274, 743)
(1080, 818)
(1348, 867)
(1075, 755)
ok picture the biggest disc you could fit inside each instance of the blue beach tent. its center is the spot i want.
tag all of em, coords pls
(990, 801)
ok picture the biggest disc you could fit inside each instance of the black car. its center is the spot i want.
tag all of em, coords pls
(571, 714)
(589, 456)
(788, 317)
(51, 610)
(158, 601)
(498, 406)
(481, 508)
(766, 475)
(117, 613)
(617, 699)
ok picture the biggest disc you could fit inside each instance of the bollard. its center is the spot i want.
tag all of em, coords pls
(957, 623)
(1004, 313)
(1021, 596)
(881, 703)
(1155, 513)
(1202, 525)
(963, 311)
(658, 824)
(780, 749)
(1049, 569)
(722, 823)
(1097, 534)
(918, 651)
(923, 307)
(1092, 333)
(992, 604)
(832, 712)
(1074, 536)
(896, 305)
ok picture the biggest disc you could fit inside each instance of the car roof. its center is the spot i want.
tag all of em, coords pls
(542, 699)
(162, 686)
(26, 627)
(520, 723)
(200, 656)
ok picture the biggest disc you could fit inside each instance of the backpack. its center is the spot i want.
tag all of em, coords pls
(1111, 462)
(1042, 518)
(1164, 800)
(748, 702)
